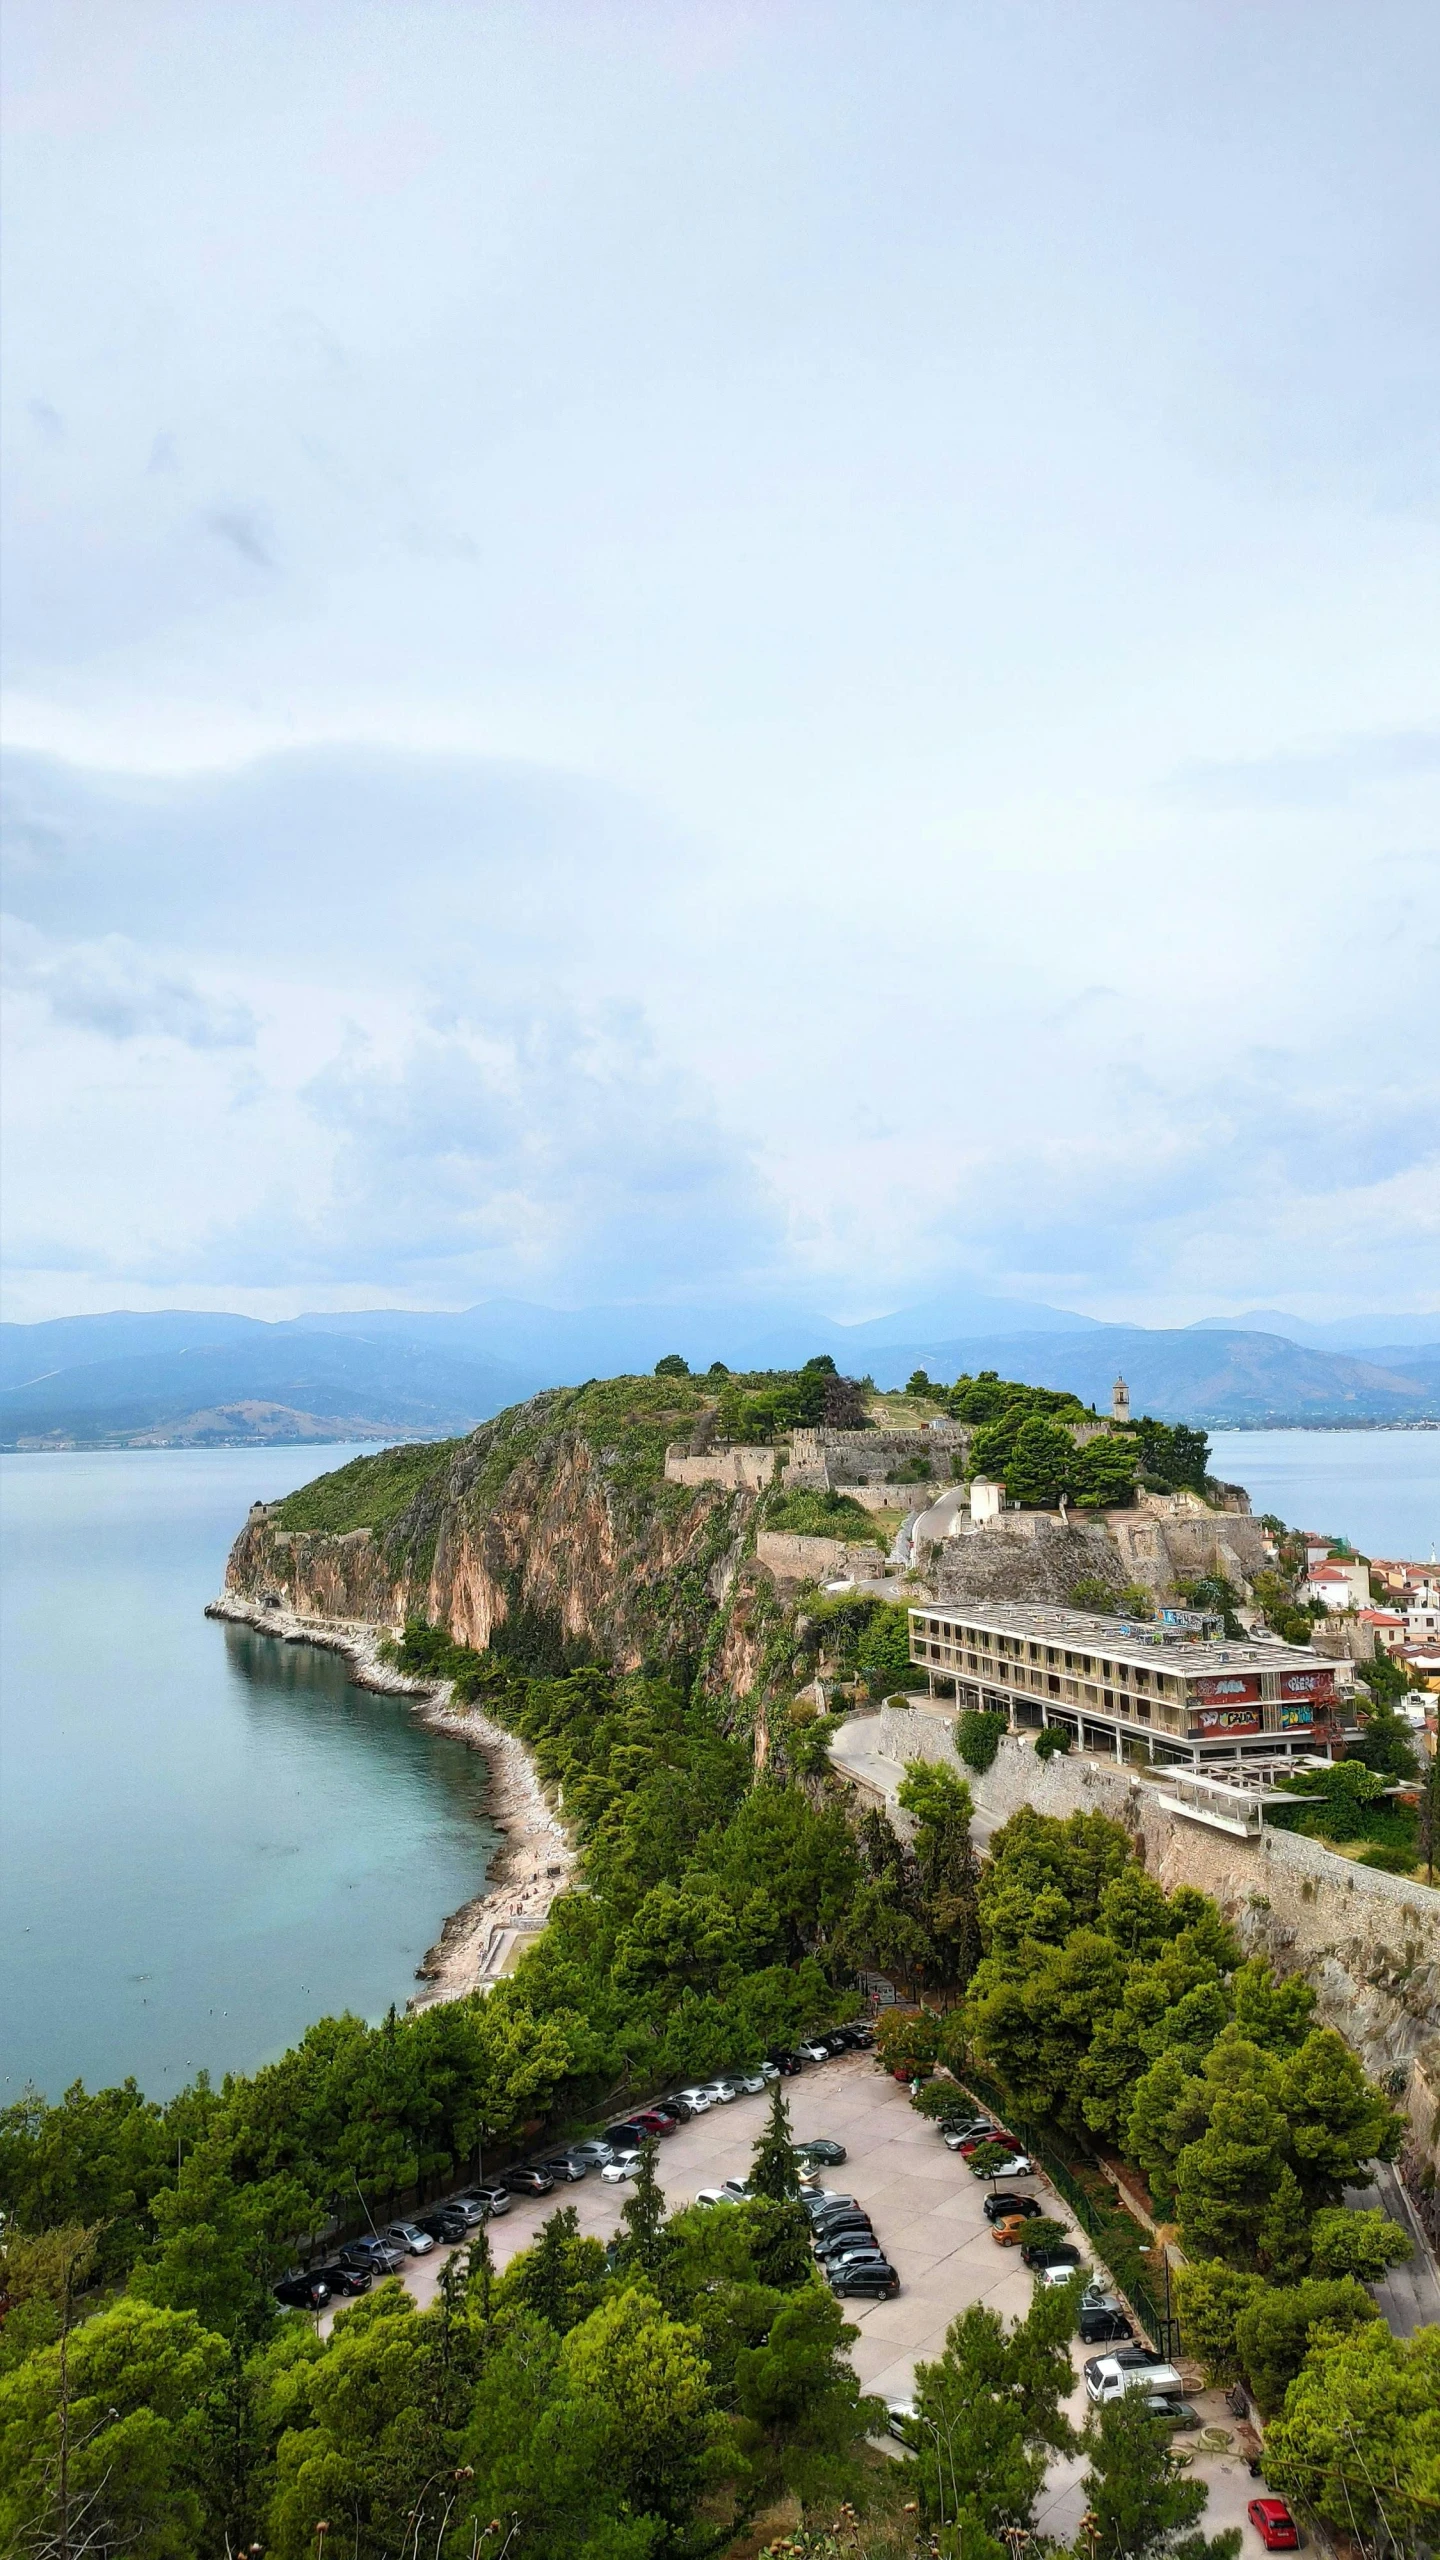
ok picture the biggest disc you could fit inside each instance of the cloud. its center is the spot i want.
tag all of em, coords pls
(243, 528)
(120, 992)
(1326, 777)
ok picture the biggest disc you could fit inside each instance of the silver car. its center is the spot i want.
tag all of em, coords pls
(594, 2154)
(409, 2236)
(722, 2093)
(699, 2101)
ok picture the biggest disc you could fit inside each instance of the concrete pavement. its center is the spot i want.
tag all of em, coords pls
(928, 2212)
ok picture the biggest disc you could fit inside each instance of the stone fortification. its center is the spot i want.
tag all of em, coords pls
(742, 1469)
(1370, 1943)
(792, 1558)
(1035, 1555)
(822, 1461)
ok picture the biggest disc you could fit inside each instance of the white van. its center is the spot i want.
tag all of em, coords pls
(1106, 2378)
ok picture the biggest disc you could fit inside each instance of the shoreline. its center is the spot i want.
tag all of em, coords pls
(535, 1860)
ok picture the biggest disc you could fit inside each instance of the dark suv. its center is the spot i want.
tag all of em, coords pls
(303, 2293)
(444, 2222)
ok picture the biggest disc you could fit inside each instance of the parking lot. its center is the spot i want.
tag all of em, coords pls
(928, 2212)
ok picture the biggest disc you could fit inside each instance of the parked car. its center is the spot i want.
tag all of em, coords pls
(471, 2207)
(657, 2120)
(409, 2237)
(789, 2065)
(848, 2235)
(342, 2279)
(997, 2206)
(859, 2243)
(698, 2101)
(1000, 2142)
(1175, 2412)
(1019, 2167)
(302, 2293)
(816, 2202)
(1009, 2231)
(381, 2256)
(630, 2135)
(1111, 2378)
(620, 2166)
(1054, 2277)
(1129, 2359)
(564, 2168)
(525, 2179)
(1051, 2253)
(491, 2200)
(812, 2050)
(878, 2281)
(769, 2072)
(848, 2261)
(902, 2420)
(722, 2093)
(1274, 2523)
(820, 2152)
(1099, 2322)
(733, 2191)
(835, 2040)
(443, 2222)
(831, 2206)
(855, 2036)
(843, 2218)
(671, 2108)
(956, 2131)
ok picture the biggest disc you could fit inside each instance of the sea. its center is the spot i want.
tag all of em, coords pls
(208, 1838)
(1379, 1489)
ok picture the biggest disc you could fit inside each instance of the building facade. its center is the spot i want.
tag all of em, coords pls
(1132, 1689)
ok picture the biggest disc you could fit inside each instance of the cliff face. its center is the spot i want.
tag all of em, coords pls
(549, 1532)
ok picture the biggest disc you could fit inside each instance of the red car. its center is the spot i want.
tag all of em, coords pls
(1274, 2523)
(1003, 2141)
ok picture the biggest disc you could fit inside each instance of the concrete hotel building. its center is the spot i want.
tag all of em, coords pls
(1132, 1689)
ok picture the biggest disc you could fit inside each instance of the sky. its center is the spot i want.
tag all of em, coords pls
(721, 649)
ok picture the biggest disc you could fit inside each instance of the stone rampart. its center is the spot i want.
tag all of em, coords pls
(739, 1469)
(792, 1558)
(1370, 1943)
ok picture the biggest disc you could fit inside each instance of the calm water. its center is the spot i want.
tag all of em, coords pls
(207, 1838)
(1380, 1489)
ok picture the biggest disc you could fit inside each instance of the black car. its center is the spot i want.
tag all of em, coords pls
(444, 2222)
(843, 2209)
(845, 2244)
(629, 2137)
(302, 2293)
(860, 2035)
(843, 2235)
(673, 2108)
(1097, 2326)
(343, 2279)
(527, 2180)
(879, 2280)
(998, 2206)
(378, 2255)
(1060, 2253)
(837, 2039)
(789, 2065)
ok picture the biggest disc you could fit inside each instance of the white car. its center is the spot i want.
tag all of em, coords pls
(734, 2191)
(752, 2082)
(699, 2101)
(721, 2093)
(900, 2417)
(768, 2073)
(813, 2052)
(623, 2166)
(1056, 2275)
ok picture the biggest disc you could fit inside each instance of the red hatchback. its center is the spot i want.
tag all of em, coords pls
(1274, 2523)
(1002, 2141)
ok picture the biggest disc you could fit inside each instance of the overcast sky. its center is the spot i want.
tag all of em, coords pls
(722, 648)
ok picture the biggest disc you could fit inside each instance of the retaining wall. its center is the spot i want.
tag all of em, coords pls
(741, 1470)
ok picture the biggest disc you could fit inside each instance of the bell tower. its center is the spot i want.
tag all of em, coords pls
(1119, 1402)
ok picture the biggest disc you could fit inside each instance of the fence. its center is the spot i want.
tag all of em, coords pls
(1161, 2323)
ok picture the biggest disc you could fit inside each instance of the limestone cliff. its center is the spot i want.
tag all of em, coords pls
(549, 1533)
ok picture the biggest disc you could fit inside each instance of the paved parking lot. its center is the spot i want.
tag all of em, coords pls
(928, 2212)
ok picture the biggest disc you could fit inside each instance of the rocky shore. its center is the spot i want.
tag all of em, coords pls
(535, 1862)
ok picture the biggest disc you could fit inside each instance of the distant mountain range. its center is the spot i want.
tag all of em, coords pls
(126, 1380)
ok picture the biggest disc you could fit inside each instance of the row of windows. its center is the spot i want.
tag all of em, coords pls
(978, 1640)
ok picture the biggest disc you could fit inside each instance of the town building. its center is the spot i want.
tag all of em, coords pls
(1386, 1625)
(1133, 1689)
(1341, 1582)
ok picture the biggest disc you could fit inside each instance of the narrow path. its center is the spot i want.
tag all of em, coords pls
(1410, 2295)
(855, 1753)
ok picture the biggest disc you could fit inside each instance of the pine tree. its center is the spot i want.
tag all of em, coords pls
(773, 2170)
(645, 2242)
(1141, 2504)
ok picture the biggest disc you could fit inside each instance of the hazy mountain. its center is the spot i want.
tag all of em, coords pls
(1368, 1334)
(392, 1372)
(1193, 1375)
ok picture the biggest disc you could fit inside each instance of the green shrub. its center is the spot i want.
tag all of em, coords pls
(1388, 1861)
(1051, 1742)
(977, 1738)
(823, 1515)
